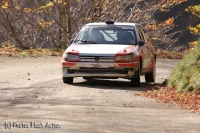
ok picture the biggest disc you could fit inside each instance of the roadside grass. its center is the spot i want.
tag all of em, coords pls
(186, 75)
(183, 86)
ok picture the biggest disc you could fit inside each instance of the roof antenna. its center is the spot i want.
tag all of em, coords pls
(110, 22)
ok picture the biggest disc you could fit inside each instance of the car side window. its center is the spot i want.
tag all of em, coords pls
(143, 33)
(141, 37)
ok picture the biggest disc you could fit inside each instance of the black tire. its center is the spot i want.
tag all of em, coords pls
(68, 80)
(135, 82)
(150, 77)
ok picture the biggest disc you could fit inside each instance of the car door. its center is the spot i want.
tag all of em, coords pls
(143, 49)
(147, 44)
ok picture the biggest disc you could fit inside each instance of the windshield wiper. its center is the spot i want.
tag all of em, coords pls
(87, 41)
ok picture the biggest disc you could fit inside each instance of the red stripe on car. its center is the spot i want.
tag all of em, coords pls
(73, 50)
(121, 61)
(128, 64)
(125, 51)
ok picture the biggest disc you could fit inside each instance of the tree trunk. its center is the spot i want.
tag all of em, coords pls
(68, 22)
(62, 32)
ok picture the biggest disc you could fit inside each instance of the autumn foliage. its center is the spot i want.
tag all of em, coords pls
(52, 23)
(186, 75)
(187, 100)
(195, 10)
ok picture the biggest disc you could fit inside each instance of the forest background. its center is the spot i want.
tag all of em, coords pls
(28, 24)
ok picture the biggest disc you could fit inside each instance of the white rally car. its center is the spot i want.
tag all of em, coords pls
(110, 50)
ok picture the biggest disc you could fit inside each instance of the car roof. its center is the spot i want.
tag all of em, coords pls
(115, 23)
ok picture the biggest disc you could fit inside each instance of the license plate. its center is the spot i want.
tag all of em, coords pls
(97, 65)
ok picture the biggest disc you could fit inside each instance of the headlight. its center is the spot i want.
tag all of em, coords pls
(71, 57)
(124, 58)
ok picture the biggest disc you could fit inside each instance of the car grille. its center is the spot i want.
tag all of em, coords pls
(102, 70)
(96, 59)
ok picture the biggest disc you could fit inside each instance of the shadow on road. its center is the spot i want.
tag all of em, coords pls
(113, 84)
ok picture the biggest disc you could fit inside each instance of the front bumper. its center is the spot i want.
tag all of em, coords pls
(96, 69)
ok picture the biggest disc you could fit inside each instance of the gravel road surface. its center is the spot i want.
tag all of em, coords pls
(34, 99)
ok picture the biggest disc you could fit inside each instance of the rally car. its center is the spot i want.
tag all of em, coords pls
(110, 50)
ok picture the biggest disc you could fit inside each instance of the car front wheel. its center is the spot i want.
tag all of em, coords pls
(135, 82)
(68, 80)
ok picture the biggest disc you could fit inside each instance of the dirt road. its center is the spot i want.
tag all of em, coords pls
(34, 99)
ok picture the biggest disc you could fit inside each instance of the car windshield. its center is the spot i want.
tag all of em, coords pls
(107, 34)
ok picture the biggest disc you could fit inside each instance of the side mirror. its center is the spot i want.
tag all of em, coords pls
(71, 41)
(141, 43)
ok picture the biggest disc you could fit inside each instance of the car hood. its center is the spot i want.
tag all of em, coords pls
(100, 49)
